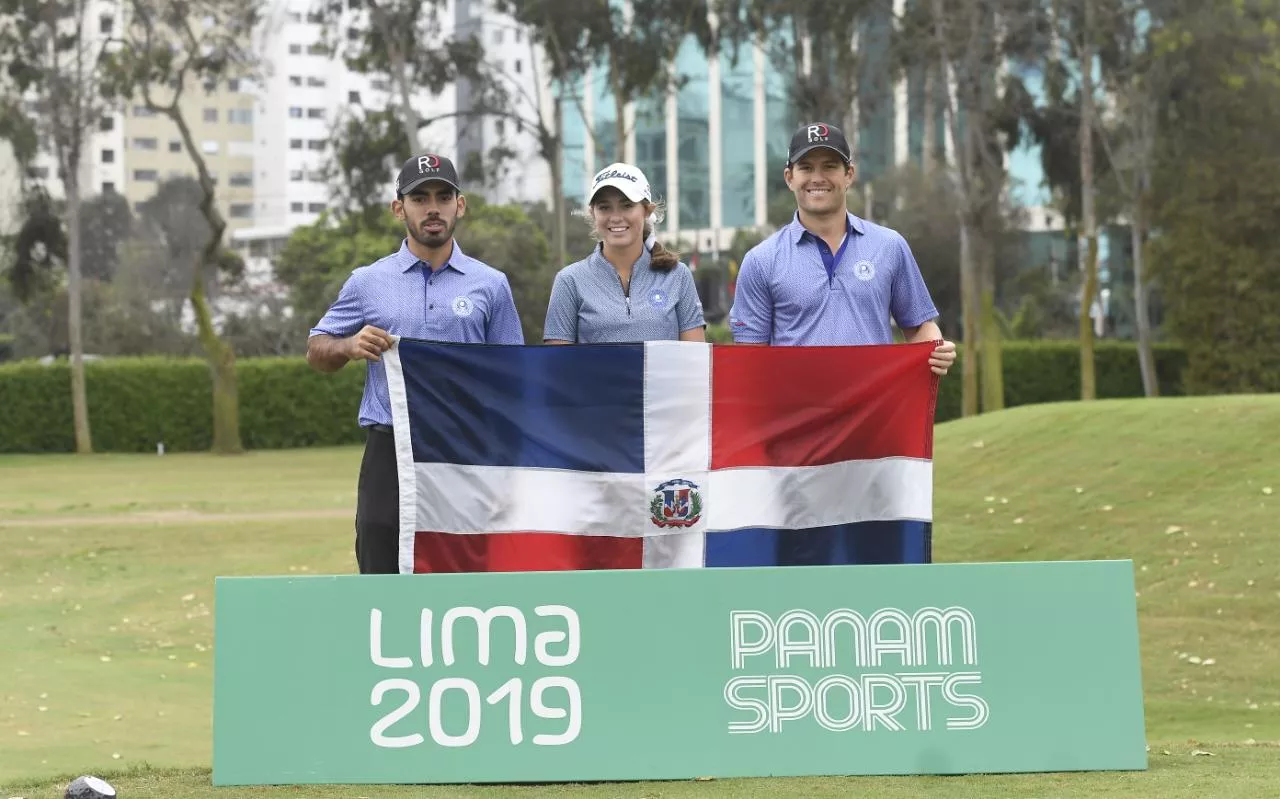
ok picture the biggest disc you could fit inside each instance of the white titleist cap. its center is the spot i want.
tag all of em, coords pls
(625, 178)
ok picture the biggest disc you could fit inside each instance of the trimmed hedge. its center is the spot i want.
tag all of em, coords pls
(136, 402)
(1049, 371)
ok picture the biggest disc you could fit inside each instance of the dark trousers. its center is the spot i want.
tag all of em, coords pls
(378, 505)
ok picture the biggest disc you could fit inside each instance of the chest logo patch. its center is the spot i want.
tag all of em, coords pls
(658, 298)
(864, 270)
(462, 306)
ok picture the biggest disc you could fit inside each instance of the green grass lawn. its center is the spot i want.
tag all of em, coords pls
(1230, 772)
(107, 575)
(50, 487)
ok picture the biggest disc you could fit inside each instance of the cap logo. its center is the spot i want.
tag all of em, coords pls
(818, 133)
(615, 173)
(428, 163)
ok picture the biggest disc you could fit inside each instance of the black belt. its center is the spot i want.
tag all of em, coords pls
(382, 428)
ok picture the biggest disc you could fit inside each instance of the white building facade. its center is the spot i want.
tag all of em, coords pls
(309, 92)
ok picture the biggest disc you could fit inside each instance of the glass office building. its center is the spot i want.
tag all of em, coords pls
(715, 147)
(709, 148)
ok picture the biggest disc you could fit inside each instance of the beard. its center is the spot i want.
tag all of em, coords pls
(432, 240)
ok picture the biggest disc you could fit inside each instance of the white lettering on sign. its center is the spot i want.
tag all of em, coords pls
(552, 636)
(844, 641)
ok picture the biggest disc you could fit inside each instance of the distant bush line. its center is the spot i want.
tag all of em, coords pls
(136, 403)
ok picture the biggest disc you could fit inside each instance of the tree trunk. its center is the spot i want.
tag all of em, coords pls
(1088, 375)
(620, 114)
(1146, 359)
(1088, 222)
(991, 177)
(221, 357)
(554, 49)
(409, 118)
(562, 219)
(992, 366)
(926, 149)
(222, 365)
(971, 314)
(968, 203)
(551, 148)
(557, 191)
(970, 282)
(79, 401)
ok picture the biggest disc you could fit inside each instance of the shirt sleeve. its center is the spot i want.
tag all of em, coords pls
(504, 320)
(751, 317)
(562, 310)
(689, 307)
(910, 302)
(345, 316)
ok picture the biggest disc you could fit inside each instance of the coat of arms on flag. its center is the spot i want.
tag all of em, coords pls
(661, 455)
(676, 503)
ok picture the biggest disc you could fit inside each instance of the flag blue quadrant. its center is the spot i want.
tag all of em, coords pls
(579, 408)
(860, 543)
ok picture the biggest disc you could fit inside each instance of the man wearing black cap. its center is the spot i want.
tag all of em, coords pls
(427, 289)
(830, 278)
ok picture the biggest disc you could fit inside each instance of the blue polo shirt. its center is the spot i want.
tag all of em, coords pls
(465, 301)
(792, 290)
(589, 306)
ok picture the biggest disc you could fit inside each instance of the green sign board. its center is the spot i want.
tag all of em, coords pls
(668, 674)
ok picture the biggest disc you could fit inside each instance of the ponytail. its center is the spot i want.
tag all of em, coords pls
(660, 258)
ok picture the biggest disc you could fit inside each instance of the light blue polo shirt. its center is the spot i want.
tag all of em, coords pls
(787, 296)
(588, 304)
(466, 302)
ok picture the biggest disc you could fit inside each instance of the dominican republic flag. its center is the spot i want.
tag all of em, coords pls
(661, 455)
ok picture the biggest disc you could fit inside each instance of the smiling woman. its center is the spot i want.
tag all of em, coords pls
(630, 288)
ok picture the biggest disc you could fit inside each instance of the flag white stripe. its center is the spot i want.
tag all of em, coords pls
(677, 409)
(496, 499)
(799, 497)
(454, 498)
(677, 440)
(405, 473)
(682, 551)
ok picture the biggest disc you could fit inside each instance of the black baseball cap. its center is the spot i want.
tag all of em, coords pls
(421, 168)
(811, 136)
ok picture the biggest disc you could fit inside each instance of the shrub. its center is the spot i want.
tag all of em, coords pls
(134, 403)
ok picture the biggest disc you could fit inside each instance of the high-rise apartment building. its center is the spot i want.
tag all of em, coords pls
(306, 95)
(96, 175)
(522, 172)
(310, 92)
(130, 149)
(714, 148)
(221, 120)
